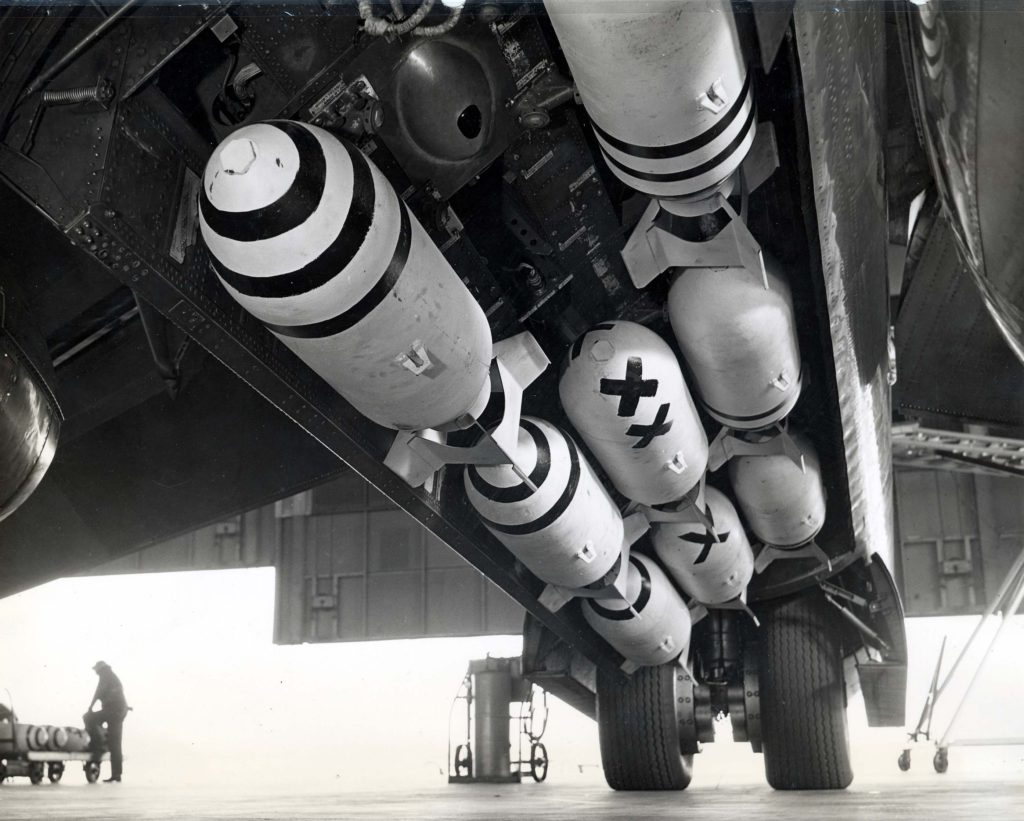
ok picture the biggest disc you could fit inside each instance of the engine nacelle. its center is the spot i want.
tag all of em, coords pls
(666, 87)
(739, 341)
(651, 625)
(568, 531)
(624, 392)
(712, 572)
(784, 505)
(309, 237)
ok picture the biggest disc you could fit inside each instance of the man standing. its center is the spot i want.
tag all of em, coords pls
(113, 709)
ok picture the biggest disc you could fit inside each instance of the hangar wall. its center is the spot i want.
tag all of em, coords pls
(958, 535)
(350, 566)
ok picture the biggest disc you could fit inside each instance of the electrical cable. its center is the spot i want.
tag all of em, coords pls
(378, 26)
(440, 28)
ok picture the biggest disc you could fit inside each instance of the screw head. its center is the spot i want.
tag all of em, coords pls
(237, 156)
(602, 350)
(105, 91)
(536, 118)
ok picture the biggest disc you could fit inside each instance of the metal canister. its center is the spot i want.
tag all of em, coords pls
(308, 236)
(713, 566)
(565, 528)
(651, 625)
(782, 501)
(624, 392)
(739, 341)
(666, 87)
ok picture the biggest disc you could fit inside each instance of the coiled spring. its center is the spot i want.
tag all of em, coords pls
(102, 92)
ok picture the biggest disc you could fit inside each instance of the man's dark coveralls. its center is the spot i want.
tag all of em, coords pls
(113, 709)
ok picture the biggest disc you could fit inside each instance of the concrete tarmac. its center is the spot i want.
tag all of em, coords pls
(938, 798)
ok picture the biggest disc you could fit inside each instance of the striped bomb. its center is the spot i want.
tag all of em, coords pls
(567, 531)
(651, 625)
(675, 116)
(307, 235)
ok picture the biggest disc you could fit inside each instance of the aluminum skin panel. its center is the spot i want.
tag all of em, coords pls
(842, 60)
(967, 60)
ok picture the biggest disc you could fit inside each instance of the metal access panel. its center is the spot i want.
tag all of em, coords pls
(958, 535)
(954, 366)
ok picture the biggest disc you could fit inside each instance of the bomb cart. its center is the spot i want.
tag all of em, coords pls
(38, 751)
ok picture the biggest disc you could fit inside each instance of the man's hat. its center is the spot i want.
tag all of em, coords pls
(100, 665)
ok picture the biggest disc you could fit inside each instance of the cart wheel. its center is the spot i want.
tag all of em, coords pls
(36, 773)
(941, 760)
(3, 771)
(92, 771)
(55, 772)
(904, 760)
(538, 761)
(463, 761)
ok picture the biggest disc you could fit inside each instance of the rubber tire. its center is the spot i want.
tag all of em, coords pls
(941, 761)
(92, 771)
(538, 762)
(36, 774)
(803, 697)
(636, 722)
(904, 760)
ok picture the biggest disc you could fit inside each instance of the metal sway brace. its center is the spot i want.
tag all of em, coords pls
(692, 507)
(856, 621)
(726, 445)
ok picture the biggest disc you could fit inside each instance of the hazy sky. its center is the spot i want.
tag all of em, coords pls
(216, 702)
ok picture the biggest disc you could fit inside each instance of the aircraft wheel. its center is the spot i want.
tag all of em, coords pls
(904, 760)
(636, 722)
(941, 761)
(538, 761)
(463, 761)
(803, 698)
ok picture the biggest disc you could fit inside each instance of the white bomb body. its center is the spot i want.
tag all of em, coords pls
(666, 87)
(783, 505)
(309, 237)
(568, 531)
(624, 392)
(739, 341)
(651, 625)
(712, 572)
